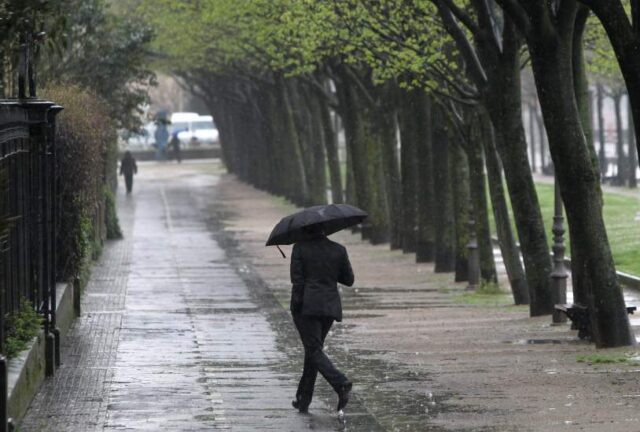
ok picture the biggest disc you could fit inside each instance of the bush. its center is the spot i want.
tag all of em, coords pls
(86, 139)
(111, 217)
(21, 327)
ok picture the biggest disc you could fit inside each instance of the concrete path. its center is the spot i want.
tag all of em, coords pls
(171, 337)
(185, 328)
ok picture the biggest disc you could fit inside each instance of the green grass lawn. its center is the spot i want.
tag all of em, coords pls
(622, 228)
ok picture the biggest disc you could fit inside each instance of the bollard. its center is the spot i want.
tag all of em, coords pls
(559, 274)
(473, 257)
(49, 354)
(4, 394)
(76, 296)
(56, 346)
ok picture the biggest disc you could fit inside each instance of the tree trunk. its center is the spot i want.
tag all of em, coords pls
(633, 156)
(621, 177)
(312, 116)
(385, 120)
(478, 192)
(581, 89)
(532, 137)
(579, 182)
(408, 167)
(504, 104)
(602, 155)
(459, 168)
(543, 143)
(445, 236)
(425, 238)
(506, 239)
(366, 160)
(294, 184)
(333, 159)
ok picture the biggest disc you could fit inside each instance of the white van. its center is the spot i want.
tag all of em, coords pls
(182, 121)
(194, 130)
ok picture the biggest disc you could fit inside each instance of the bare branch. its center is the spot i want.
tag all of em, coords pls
(476, 69)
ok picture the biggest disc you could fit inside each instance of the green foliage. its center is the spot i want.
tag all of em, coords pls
(614, 357)
(489, 288)
(113, 225)
(488, 294)
(105, 52)
(600, 56)
(21, 327)
(21, 19)
(84, 134)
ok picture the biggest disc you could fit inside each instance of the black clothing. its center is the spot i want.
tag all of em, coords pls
(313, 330)
(317, 266)
(128, 168)
(174, 144)
(128, 181)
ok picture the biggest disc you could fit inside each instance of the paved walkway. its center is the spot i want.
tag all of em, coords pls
(185, 328)
(171, 338)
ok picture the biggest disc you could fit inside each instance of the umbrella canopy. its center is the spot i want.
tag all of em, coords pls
(332, 218)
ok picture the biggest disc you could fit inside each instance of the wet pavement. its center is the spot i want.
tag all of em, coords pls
(185, 327)
(171, 337)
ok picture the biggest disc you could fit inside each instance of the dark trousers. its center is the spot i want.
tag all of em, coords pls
(128, 181)
(313, 330)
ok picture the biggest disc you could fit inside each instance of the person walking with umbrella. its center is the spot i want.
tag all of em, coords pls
(317, 266)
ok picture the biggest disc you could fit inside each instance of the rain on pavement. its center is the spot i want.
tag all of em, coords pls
(170, 337)
(184, 327)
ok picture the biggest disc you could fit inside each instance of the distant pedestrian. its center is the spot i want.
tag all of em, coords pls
(317, 265)
(161, 136)
(128, 168)
(174, 145)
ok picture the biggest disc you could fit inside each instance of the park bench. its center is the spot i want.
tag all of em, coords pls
(579, 316)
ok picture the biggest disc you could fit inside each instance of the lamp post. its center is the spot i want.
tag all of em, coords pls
(559, 274)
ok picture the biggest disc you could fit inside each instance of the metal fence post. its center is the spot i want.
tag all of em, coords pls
(559, 274)
(4, 395)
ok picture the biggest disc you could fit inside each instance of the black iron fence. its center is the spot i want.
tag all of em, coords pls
(29, 200)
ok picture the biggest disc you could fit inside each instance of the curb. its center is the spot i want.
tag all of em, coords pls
(26, 372)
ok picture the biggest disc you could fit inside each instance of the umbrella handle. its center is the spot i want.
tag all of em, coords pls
(283, 255)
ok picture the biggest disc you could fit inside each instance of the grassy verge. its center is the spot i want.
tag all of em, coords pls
(614, 357)
(489, 294)
(622, 229)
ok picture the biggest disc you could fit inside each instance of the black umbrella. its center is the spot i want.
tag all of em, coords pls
(332, 218)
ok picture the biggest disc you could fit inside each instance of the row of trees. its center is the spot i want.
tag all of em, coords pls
(440, 81)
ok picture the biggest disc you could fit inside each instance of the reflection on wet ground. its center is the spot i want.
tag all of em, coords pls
(185, 327)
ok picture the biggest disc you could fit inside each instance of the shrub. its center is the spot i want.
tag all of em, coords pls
(111, 216)
(86, 138)
(21, 327)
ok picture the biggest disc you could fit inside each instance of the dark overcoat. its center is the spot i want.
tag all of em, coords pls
(128, 166)
(317, 266)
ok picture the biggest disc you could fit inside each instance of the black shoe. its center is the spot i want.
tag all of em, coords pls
(299, 406)
(343, 395)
